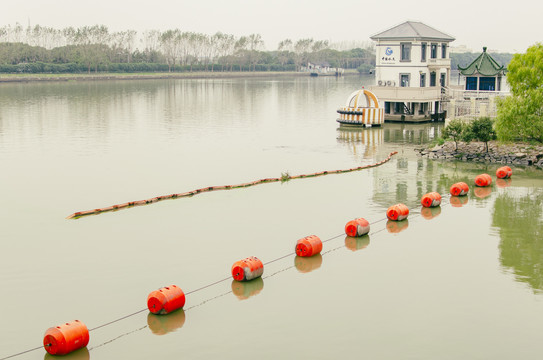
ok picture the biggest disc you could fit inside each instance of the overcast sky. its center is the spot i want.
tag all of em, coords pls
(510, 26)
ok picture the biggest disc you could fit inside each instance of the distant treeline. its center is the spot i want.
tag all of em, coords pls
(94, 49)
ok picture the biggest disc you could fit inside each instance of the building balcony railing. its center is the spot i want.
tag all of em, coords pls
(439, 62)
(406, 94)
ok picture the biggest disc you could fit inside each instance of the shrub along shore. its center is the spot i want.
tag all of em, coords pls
(502, 153)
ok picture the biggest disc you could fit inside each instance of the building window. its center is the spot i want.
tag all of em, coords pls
(404, 80)
(387, 107)
(423, 52)
(405, 51)
(398, 108)
(471, 83)
(442, 79)
(422, 80)
(443, 51)
(432, 79)
(433, 51)
(487, 83)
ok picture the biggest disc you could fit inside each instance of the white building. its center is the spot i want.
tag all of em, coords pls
(412, 66)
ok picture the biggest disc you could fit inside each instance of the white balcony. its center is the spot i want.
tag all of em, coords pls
(406, 94)
(439, 63)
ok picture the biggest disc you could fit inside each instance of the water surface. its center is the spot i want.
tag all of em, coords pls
(462, 281)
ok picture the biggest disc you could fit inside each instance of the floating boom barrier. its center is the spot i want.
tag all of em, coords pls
(283, 178)
(66, 338)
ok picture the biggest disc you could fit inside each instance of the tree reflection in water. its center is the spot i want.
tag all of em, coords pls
(519, 220)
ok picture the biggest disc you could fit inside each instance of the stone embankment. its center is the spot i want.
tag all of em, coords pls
(514, 154)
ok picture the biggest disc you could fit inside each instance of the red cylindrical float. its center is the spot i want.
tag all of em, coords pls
(357, 227)
(504, 172)
(165, 300)
(459, 189)
(397, 212)
(483, 180)
(308, 246)
(63, 339)
(247, 269)
(431, 199)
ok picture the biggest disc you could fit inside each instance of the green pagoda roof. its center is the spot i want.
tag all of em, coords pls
(484, 65)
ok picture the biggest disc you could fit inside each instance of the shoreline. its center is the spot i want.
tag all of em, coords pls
(11, 78)
(501, 153)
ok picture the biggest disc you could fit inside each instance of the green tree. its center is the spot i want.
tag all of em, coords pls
(520, 116)
(480, 129)
(454, 130)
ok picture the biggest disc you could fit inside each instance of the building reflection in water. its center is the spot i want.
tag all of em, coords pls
(245, 289)
(519, 221)
(163, 324)
(363, 142)
(357, 243)
(308, 264)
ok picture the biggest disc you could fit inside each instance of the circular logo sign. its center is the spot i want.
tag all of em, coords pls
(388, 51)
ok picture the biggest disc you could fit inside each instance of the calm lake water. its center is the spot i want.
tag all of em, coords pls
(464, 281)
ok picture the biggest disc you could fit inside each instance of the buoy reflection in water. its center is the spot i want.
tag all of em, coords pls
(430, 212)
(503, 183)
(79, 354)
(357, 243)
(458, 201)
(246, 289)
(163, 324)
(308, 264)
(395, 227)
(482, 192)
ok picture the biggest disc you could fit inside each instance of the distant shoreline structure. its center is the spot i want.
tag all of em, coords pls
(153, 76)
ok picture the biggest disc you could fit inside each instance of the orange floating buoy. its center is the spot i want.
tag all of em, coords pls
(504, 172)
(397, 212)
(483, 180)
(432, 199)
(357, 227)
(247, 269)
(308, 246)
(63, 339)
(165, 300)
(459, 189)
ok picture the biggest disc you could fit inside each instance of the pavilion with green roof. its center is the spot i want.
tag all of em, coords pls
(483, 74)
